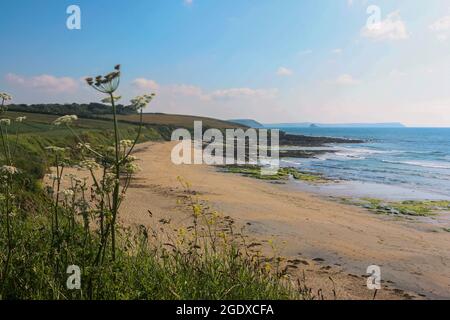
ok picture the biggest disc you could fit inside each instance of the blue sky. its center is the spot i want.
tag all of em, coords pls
(270, 60)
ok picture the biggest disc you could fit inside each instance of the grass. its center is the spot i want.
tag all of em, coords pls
(282, 174)
(179, 121)
(144, 268)
(207, 260)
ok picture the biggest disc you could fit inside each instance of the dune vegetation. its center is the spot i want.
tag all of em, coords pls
(49, 230)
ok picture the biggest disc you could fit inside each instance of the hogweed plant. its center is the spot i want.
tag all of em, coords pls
(8, 171)
(114, 163)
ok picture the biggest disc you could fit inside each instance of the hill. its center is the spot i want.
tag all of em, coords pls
(248, 122)
(179, 121)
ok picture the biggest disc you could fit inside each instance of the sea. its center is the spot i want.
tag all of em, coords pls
(391, 163)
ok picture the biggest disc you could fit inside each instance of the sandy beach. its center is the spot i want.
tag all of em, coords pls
(332, 243)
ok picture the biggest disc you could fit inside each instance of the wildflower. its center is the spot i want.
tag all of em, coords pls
(9, 170)
(89, 164)
(109, 100)
(81, 145)
(21, 119)
(131, 159)
(5, 122)
(67, 193)
(106, 84)
(197, 210)
(131, 168)
(65, 120)
(141, 102)
(5, 97)
(126, 143)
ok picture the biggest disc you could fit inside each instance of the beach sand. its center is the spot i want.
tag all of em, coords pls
(333, 243)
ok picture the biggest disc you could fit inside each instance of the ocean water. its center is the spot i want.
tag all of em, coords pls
(400, 163)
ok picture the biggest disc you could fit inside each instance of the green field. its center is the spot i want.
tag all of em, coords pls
(179, 121)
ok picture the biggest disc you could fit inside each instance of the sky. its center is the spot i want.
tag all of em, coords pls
(327, 61)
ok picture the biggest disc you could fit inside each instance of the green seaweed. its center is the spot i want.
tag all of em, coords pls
(283, 174)
(408, 208)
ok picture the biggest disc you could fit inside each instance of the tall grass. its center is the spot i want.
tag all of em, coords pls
(73, 221)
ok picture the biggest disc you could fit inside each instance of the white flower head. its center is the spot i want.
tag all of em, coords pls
(5, 97)
(9, 170)
(140, 102)
(82, 145)
(67, 193)
(90, 164)
(65, 120)
(5, 122)
(131, 168)
(108, 83)
(126, 143)
(21, 119)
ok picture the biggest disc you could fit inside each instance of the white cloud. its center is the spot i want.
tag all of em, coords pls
(186, 90)
(397, 73)
(284, 72)
(442, 37)
(346, 80)
(392, 28)
(443, 24)
(145, 84)
(188, 2)
(337, 51)
(45, 82)
(236, 93)
(441, 28)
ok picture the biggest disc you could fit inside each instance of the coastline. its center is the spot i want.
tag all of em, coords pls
(329, 239)
(331, 243)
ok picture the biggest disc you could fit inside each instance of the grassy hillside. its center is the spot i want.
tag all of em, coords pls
(37, 133)
(180, 121)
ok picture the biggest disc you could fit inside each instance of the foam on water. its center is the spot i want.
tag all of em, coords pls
(415, 160)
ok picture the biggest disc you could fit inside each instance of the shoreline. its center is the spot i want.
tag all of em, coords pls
(328, 242)
(343, 239)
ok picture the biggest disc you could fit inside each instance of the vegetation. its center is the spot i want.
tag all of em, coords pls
(254, 171)
(81, 110)
(179, 121)
(408, 208)
(46, 232)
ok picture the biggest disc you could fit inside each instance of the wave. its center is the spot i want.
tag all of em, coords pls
(424, 164)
